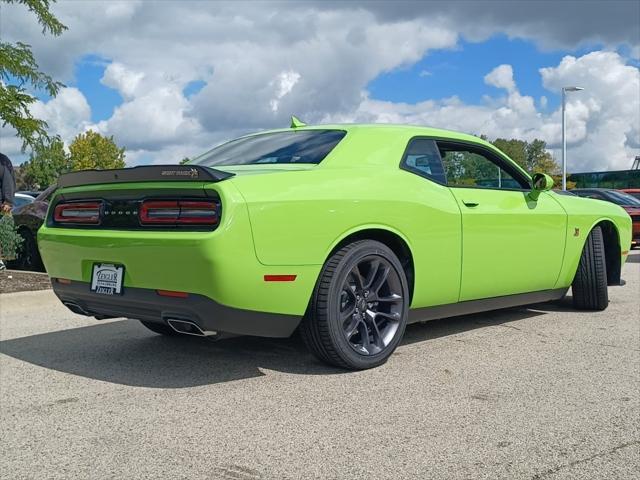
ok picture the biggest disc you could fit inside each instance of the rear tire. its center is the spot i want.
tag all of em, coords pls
(590, 283)
(29, 256)
(359, 308)
(160, 328)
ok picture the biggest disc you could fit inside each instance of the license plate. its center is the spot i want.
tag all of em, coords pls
(106, 278)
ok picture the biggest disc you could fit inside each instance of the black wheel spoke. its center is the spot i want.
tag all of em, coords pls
(371, 275)
(392, 316)
(381, 278)
(378, 339)
(357, 278)
(393, 298)
(371, 305)
(351, 326)
(348, 312)
(348, 290)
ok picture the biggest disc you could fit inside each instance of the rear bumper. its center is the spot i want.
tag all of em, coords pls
(146, 304)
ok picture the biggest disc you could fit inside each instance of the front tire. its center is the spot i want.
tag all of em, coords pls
(590, 283)
(358, 312)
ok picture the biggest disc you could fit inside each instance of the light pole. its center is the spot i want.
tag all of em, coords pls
(564, 134)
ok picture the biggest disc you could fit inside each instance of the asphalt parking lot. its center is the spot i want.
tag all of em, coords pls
(535, 393)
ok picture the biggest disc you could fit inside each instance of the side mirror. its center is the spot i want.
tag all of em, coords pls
(541, 183)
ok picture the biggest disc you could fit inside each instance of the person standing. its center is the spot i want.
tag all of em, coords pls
(7, 191)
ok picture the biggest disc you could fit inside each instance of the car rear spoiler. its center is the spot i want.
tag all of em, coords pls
(145, 173)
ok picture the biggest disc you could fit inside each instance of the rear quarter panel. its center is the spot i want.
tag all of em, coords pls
(298, 217)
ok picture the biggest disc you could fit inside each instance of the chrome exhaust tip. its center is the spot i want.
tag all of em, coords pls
(75, 308)
(188, 327)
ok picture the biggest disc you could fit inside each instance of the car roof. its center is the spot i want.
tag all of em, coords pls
(404, 129)
(414, 129)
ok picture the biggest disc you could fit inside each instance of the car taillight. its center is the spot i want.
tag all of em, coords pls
(86, 213)
(178, 212)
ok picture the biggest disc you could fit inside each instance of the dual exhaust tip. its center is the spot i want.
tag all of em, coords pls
(188, 327)
(185, 327)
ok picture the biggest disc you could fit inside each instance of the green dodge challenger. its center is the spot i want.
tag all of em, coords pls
(345, 232)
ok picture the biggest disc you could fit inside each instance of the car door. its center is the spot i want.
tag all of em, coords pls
(510, 243)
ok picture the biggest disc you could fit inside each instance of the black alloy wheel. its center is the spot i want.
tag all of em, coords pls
(371, 305)
(359, 308)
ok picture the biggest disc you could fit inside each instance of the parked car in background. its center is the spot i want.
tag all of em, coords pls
(630, 203)
(31, 193)
(21, 199)
(634, 192)
(28, 217)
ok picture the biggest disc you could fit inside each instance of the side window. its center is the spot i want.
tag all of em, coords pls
(466, 166)
(422, 157)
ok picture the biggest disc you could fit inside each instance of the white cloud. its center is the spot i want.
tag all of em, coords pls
(67, 114)
(122, 79)
(262, 62)
(603, 121)
(285, 83)
(501, 77)
(152, 120)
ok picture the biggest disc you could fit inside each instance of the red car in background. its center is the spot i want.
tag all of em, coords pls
(627, 201)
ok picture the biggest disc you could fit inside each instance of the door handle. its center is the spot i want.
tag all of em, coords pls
(470, 204)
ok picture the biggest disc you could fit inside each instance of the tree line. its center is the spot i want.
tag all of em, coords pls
(88, 151)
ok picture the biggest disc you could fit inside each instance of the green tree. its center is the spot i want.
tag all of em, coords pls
(18, 70)
(515, 150)
(532, 156)
(90, 150)
(185, 160)
(46, 164)
(539, 160)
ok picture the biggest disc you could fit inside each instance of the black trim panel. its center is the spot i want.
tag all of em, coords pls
(144, 173)
(484, 305)
(127, 204)
(146, 304)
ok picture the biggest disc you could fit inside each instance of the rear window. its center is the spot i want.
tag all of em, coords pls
(305, 146)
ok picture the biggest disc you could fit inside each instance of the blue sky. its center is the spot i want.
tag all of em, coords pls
(438, 75)
(460, 72)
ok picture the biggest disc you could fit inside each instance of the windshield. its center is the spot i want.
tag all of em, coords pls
(20, 200)
(305, 146)
(622, 198)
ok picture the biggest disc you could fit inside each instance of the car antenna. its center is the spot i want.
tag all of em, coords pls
(296, 122)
